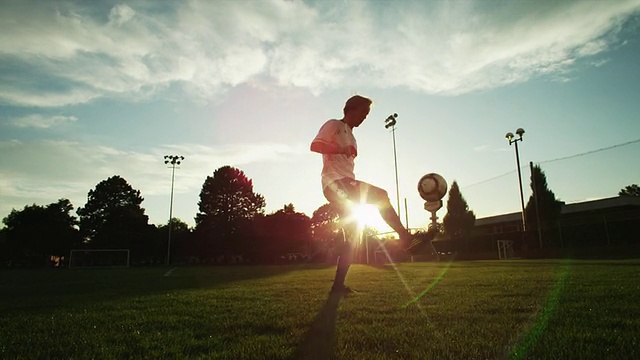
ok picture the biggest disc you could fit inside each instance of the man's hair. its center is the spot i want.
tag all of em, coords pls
(356, 102)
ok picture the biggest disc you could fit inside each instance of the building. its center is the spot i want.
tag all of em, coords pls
(606, 227)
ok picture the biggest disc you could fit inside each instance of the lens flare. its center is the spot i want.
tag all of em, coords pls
(431, 286)
(362, 214)
(395, 268)
(542, 319)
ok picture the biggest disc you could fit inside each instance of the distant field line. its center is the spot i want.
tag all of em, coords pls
(168, 273)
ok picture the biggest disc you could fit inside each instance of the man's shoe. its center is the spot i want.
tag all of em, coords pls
(414, 245)
(418, 240)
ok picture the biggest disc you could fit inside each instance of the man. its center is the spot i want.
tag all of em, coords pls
(336, 143)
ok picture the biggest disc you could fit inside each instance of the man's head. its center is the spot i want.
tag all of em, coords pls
(356, 110)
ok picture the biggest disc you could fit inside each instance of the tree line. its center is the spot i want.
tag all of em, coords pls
(230, 226)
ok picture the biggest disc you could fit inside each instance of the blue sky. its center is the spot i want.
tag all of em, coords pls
(89, 90)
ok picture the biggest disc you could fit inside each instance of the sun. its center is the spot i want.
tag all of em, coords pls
(368, 215)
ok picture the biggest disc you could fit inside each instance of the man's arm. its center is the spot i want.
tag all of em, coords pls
(331, 148)
(324, 142)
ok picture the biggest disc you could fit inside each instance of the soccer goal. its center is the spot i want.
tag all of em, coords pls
(505, 249)
(95, 258)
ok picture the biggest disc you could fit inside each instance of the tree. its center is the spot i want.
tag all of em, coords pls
(542, 206)
(182, 246)
(5, 250)
(459, 220)
(324, 229)
(37, 232)
(324, 222)
(282, 232)
(630, 190)
(114, 219)
(226, 208)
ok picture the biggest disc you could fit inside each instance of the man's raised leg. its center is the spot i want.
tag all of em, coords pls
(380, 198)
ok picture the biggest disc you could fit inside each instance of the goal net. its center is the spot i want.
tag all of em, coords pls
(505, 249)
(84, 258)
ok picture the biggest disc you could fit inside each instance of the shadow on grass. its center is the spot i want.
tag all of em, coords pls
(319, 341)
(27, 290)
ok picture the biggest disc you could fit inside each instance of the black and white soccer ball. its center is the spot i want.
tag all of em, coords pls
(432, 187)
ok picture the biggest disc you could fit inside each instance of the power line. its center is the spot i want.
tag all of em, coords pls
(490, 179)
(558, 159)
(590, 152)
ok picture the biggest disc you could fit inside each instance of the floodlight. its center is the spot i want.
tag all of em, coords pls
(173, 160)
(509, 136)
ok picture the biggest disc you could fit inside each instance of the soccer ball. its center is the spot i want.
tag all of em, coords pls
(432, 187)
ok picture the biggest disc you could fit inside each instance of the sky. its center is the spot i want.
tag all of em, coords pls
(93, 89)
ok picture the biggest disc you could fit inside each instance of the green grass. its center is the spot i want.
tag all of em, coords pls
(553, 309)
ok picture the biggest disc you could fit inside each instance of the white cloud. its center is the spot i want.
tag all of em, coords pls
(40, 121)
(136, 49)
(43, 171)
(121, 14)
(33, 97)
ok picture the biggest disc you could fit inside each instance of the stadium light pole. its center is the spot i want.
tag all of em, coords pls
(390, 122)
(173, 160)
(513, 140)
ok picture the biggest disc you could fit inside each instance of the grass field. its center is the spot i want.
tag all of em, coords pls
(553, 309)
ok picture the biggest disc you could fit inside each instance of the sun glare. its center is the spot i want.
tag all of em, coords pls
(368, 215)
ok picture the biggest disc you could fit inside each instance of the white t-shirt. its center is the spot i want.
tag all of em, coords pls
(336, 166)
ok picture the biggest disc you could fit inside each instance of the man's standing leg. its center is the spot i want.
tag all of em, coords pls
(345, 256)
(344, 262)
